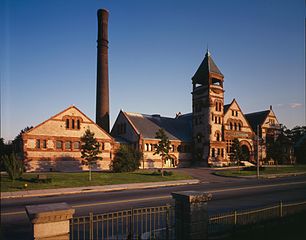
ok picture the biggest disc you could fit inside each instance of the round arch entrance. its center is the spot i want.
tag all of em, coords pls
(246, 149)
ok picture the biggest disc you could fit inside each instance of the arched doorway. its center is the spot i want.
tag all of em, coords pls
(246, 149)
(245, 153)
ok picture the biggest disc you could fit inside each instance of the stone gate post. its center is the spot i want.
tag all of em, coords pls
(191, 216)
(50, 221)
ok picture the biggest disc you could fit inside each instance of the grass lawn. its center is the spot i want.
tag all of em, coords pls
(266, 171)
(62, 180)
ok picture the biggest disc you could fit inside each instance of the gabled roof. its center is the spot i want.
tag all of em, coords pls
(179, 128)
(207, 66)
(257, 118)
(56, 116)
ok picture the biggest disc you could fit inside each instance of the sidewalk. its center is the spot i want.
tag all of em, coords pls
(88, 189)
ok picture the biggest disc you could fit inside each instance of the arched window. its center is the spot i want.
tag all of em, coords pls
(78, 124)
(67, 123)
(217, 106)
(218, 137)
(72, 124)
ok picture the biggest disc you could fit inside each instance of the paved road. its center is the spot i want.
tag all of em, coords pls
(228, 193)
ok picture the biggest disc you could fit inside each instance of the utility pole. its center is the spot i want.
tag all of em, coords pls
(257, 151)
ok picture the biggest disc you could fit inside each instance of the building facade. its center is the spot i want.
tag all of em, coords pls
(54, 145)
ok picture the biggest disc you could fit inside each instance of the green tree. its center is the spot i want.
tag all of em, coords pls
(127, 159)
(163, 147)
(13, 166)
(90, 149)
(236, 154)
(17, 143)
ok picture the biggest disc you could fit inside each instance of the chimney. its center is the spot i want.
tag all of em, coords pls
(102, 100)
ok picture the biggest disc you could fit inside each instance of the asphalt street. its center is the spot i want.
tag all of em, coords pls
(228, 194)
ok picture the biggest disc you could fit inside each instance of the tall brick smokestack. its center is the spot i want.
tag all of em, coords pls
(102, 103)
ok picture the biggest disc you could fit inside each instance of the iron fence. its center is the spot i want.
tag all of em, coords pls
(158, 222)
(227, 221)
(139, 223)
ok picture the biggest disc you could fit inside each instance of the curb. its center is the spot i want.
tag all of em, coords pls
(266, 176)
(91, 189)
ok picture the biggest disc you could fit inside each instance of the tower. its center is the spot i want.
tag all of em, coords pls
(102, 98)
(207, 112)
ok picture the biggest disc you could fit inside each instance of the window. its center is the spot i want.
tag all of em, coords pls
(236, 113)
(59, 144)
(218, 151)
(102, 146)
(235, 124)
(218, 137)
(76, 145)
(232, 112)
(44, 143)
(216, 119)
(231, 126)
(67, 123)
(217, 106)
(37, 143)
(222, 152)
(213, 152)
(212, 117)
(72, 124)
(179, 148)
(219, 120)
(78, 124)
(239, 126)
(68, 145)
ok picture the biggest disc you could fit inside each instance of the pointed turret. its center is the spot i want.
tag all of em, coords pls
(205, 70)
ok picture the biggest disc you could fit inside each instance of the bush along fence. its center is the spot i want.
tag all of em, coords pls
(188, 219)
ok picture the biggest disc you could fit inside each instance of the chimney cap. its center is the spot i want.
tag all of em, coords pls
(102, 10)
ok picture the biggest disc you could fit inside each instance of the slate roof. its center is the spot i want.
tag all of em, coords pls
(226, 107)
(179, 128)
(257, 118)
(207, 66)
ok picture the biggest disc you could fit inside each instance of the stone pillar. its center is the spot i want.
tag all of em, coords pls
(191, 216)
(50, 221)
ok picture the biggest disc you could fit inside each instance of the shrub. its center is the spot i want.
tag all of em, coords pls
(13, 166)
(168, 173)
(126, 159)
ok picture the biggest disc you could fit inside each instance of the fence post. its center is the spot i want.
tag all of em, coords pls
(167, 221)
(50, 221)
(91, 226)
(235, 217)
(191, 216)
(281, 209)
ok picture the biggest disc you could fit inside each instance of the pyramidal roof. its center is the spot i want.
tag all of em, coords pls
(207, 66)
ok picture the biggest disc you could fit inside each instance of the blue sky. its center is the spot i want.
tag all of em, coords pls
(48, 56)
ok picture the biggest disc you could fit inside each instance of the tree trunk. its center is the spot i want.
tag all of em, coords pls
(89, 172)
(162, 171)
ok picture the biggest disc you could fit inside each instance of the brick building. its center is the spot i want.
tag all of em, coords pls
(54, 145)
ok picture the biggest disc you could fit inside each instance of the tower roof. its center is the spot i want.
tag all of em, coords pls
(207, 66)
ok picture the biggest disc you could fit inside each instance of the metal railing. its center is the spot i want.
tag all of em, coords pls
(227, 221)
(158, 222)
(139, 223)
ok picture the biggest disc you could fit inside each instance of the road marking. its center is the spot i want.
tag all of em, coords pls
(166, 196)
